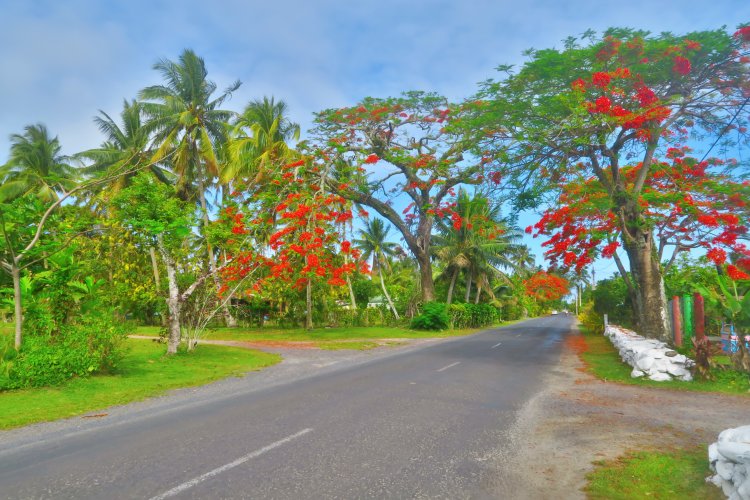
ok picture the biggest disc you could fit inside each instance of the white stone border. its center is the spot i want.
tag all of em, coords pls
(649, 357)
(730, 460)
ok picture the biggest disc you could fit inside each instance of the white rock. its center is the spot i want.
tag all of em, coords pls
(713, 454)
(744, 491)
(636, 373)
(659, 377)
(736, 452)
(677, 370)
(725, 469)
(644, 363)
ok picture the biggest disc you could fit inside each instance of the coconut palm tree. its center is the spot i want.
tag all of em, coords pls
(260, 140)
(373, 242)
(188, 123)
(36, 166)
(126, 147)
(480, 247)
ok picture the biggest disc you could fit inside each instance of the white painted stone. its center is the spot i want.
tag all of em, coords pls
(729, 458)
(649, 357)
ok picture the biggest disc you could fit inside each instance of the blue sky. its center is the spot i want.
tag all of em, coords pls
(64, 60)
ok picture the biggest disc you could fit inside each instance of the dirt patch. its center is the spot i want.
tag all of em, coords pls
(579, 419)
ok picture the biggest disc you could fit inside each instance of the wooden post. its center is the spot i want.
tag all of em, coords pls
(677, 321)
(699, 317)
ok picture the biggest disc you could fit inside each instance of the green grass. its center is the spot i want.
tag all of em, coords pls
(144, 372)
(318, 335)
(650, 474)
(604, 362)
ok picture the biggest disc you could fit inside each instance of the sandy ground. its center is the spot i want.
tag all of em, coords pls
(579, 419)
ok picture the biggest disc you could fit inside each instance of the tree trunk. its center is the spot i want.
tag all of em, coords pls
(229, 320)
(468, 287)
(647, 287)
(425, 274)
(17, 306)
(173, 299)
(308, 304)
(479, 293)
(349, 286)
(388, 297)
(155, 266)
(452, 285)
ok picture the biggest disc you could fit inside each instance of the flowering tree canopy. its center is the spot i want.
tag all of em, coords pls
(305, 224)
(546, 287)
(383, 149)
(609, 121)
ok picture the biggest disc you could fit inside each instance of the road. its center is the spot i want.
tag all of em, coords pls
(429, 422)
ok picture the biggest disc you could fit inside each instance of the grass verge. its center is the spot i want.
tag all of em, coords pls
(651, 474)
(144, 372)
(603, 361)
(318, 335)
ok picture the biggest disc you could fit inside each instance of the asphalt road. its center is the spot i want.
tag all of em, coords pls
(428, 422)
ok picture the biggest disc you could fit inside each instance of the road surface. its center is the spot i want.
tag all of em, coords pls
(428, 422)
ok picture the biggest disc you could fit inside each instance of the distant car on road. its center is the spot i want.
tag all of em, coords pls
(554, 312)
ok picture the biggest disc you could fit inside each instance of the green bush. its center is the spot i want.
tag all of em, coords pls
(592, 321)
(78, 350)
(472, 315)
(434, 317)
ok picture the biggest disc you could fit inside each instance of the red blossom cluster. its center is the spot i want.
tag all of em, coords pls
(624, 98)
(685, 204)
(546, 286)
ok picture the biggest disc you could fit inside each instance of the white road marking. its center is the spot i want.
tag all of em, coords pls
(189, 484)
(449, 366)
(495, 345)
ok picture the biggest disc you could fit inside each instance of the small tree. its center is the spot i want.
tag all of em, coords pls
(152, 211)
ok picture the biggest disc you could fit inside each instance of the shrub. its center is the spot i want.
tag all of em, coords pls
(78, 350)
(591, 320)
(434, 317)
(472, 315)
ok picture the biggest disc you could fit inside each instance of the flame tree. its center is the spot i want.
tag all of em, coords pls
(405, 148)
(604, 122)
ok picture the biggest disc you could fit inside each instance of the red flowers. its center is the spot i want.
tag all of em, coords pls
(743, 34)
(708, 220)
(601, 79)
(717, 256)
(646, 96)
(681, 65)
(609, 250)
(735, 273)
(373, 158)
(603, 104)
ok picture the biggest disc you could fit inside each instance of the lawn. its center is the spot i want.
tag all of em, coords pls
(360, 337)
(603, 361)
(652, 474)
(145, 372)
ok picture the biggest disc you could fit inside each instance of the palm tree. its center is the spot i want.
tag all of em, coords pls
(188, 124)
(124, 150)
(35, 166)
(187, 121)
(373, 243)
(260, 140)
(480, 247)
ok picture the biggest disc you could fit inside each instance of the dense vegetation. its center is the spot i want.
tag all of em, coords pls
(190, 214)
